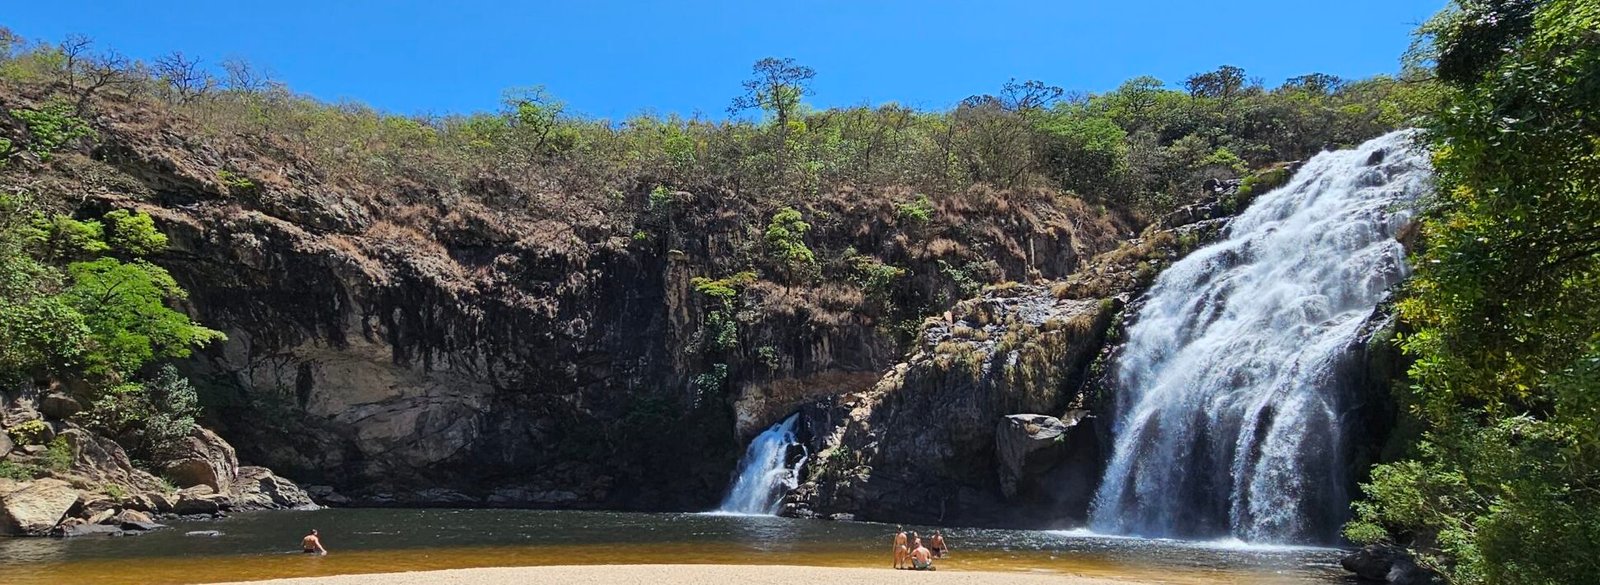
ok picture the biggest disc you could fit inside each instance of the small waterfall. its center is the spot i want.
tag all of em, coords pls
(1229, 406)
(764, 471)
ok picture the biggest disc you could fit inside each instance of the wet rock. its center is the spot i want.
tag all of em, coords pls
(1376, 158)
(74, 528)
(204, 533)
(206, 460)
(1384, 563)
(59, 406)
(33, 508)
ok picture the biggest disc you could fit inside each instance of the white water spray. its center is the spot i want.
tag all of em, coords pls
(1229, 410)
(764, 472)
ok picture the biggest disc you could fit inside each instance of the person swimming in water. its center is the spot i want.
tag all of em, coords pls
(312, 544)
(901, 552)
(921, 557)
(937, 545)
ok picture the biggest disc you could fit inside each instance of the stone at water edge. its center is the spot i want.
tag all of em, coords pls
(257, 488)
(33, 508)
(1384, 563)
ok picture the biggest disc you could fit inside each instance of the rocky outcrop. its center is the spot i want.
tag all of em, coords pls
(205, 459)
(920, 445)
(1048, 462)
(257, 488)
(935, 440)
(34, 508)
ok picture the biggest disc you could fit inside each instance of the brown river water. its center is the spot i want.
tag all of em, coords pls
(266, 545)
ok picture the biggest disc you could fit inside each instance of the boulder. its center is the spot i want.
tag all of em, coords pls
(98, 460)
(201, 500)
(35, 507)
(133, 520)
(59, 406)
(1383, 563)
(204, 533)
(207, 460)
(257, 488)
(101, 517)
(6, 446)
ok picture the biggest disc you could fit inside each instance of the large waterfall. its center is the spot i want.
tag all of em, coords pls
(765, 472)
(1229, 409)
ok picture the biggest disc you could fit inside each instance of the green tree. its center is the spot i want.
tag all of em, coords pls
(786, 244)
(1504, 486)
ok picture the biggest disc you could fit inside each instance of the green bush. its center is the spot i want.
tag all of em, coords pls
(58, 455)
(150, 419)
(18, 472)
(919, 210)
(52, 127)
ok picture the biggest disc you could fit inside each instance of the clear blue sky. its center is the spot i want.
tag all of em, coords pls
(611, 58)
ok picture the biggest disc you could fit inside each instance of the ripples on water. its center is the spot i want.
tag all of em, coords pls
(265, 545)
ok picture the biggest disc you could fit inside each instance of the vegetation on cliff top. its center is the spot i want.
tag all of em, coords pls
(1504, 485)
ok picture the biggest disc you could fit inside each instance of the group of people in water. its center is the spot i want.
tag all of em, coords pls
(911, 553)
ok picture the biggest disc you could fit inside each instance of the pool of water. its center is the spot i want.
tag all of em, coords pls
(266, 545)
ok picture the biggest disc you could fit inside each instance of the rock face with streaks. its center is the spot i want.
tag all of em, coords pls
(504, 342)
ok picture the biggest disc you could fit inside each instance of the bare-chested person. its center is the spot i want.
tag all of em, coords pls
(936, 544)
(901, 552)
(921, 557)
(312, 544)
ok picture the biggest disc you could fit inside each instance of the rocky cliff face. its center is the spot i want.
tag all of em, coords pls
(487, 344)
(992, 419)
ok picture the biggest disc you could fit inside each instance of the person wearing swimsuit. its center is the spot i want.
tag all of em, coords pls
(901, 552)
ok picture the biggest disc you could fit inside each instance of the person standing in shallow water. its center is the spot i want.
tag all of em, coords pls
(312, 544)
(937, 545)
(900, 550)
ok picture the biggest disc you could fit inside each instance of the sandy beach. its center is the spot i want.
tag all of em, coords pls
(692, 575)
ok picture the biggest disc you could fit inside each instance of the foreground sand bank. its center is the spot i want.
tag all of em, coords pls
(692, 575)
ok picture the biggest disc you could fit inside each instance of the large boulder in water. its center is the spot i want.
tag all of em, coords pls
(33, 508)
(1385, 563)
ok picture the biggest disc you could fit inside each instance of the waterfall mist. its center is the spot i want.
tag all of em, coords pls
(1229, 409)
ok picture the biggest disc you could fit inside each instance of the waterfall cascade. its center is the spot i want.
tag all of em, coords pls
(1228, 420)
(765, 472)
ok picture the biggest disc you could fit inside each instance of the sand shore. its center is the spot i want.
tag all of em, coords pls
(691, 575)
